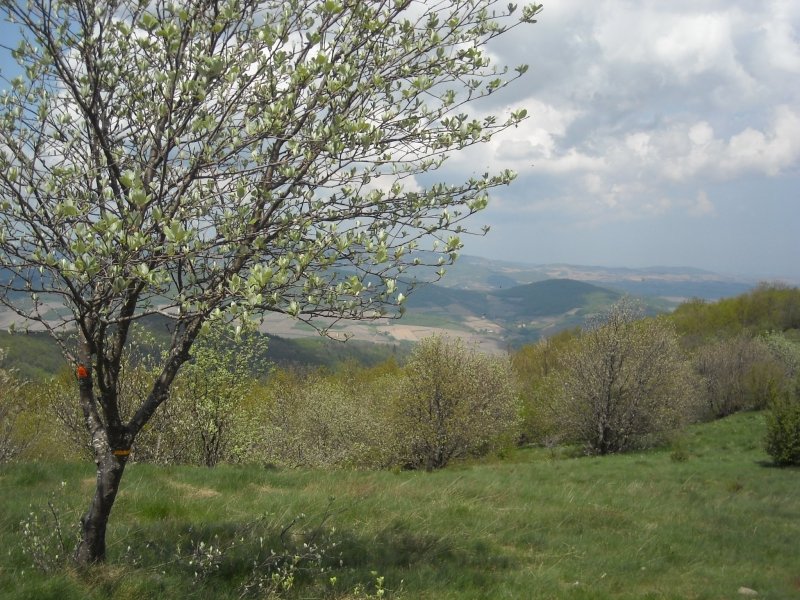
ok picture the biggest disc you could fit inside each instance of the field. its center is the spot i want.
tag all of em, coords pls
(700, 519)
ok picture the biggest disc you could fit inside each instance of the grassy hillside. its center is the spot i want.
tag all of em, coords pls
(36, 355)
(701, 520)
(555, 296)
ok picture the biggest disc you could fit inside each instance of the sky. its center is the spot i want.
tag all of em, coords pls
(660, 134)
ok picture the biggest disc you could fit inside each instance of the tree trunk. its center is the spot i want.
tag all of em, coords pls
(92, 546)
(112, 440)
(111, 444)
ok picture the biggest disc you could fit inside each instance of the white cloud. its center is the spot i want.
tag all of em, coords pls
(625, 176)
(534, 139)
(701, 134)
(677, 112)
(638, 143)
(572, 161)
(702, 206)
(781, 46)
(770, 152)
(646, 110)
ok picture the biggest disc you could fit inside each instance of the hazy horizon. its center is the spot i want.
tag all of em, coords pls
(739, 276)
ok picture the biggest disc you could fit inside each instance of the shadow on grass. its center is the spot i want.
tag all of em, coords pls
(770, 464)
(220, 557)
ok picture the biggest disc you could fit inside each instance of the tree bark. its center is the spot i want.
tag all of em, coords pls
(111, 446)
(92, 546)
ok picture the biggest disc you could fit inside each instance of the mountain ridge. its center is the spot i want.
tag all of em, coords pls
(502, 304)
(675, 283)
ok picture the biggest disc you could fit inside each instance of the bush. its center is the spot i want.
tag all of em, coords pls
(11, 405)
(454, 402)
(625, 382)
(770, 306)
(537, 367)
(786, 351)
(737, 374)
(324, 420)
(783, 427)
(208, 396)
(203, 422)
(62, 410)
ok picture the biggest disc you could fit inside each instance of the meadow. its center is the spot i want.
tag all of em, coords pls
(704, 517)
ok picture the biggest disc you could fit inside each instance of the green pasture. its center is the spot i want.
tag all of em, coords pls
(700, 519)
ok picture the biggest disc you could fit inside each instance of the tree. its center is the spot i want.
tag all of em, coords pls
(626, 379)
(218, 159)
(454, 401)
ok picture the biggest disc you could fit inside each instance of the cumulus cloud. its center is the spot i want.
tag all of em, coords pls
(633, 103)
(770, 152)
(668, 129)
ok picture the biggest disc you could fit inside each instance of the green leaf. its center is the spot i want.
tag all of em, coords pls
(148, 21)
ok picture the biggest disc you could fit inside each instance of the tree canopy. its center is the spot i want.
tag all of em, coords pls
(213, 159)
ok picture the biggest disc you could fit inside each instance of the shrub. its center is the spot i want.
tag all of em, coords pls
(327, 420)
(626, 381)
(204, 421)
(537, 367)
(454, 401)
(786, 352)
(783, 427)
(11, 405)
(737, 374)
(770, 306)
(137, 373)
(209, 394)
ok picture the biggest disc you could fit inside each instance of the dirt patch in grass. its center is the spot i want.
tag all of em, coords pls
(193, 491)
(267, 489)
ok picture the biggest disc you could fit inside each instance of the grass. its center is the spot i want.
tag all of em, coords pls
(699, 520)
(426, 319)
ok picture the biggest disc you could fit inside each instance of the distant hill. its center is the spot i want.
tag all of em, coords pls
(474, 273)
(34, 355)
(438, 297)
(510, 316)
(543, 298)
(555, 296)
(497, 304)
